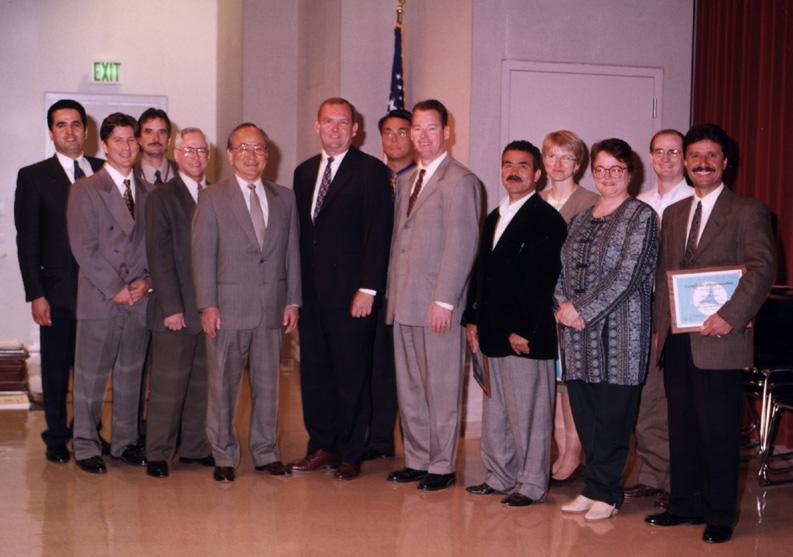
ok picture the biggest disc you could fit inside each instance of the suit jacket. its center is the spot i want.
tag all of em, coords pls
(169, 214)
(250, 285)
(579, 200)
(347, 247)
(107, 243)
(512, 285)
(738, 232)
(433, 250)
(45, 259)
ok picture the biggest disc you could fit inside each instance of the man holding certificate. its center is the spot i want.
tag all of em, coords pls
(713, 234)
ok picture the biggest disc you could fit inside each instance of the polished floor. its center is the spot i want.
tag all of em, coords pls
(53, 510)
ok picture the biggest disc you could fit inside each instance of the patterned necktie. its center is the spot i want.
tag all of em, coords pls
(416, 190)
(394, 180)
(257, 215)
(157, 178)
(78, 172)
(693, 236)
(323, 188)
(128, 198)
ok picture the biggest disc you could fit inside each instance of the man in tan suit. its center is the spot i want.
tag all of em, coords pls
(436, 232)
(246, 268)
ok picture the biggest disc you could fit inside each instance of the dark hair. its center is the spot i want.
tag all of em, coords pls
(667, 131)
(338, 100)
(437, 106)
(617, 148)
(526, 147)
(708, 131)
(66, 103)
(150, 114)
(238, 127)
(117, 120)
(397, 113)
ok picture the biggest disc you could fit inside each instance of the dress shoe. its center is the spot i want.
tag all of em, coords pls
(131, 455)
(516, 500)
(600, 511)
(374, 454)
(436, 482)
(670, 519)
(716, 534)
(93, 465)
(223, 474)
(58, 453)
(157, 468)
(580, 504)
(317, 460)
(642, 490)
(203, 461)
(481, 489)
(406, 475)
(347, 471)
(276, 468)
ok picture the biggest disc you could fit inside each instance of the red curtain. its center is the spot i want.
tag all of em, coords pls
(743, 81)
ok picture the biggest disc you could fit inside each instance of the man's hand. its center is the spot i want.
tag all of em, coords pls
(291, 315)
(472, 336)
(138, 289)
(519, 344)
(40, 308)
(361, 304)
(123, 297)
(210, 321)
(715, 326)
(439, 319)
(175, 322)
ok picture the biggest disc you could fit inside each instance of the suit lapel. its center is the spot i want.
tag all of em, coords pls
(275, 213)
(516, 224)
(239, 209)
(343, 176)
(185, 199)
(115, 204)
(430, 186)
(677, 235)
(719, 218)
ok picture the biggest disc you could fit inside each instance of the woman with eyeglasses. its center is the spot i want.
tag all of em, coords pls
(604, 299)
(564, 154)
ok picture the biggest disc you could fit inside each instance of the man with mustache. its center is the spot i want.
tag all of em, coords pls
(702, 370)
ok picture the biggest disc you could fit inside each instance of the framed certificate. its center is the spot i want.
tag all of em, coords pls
(481, 370)
(696, 294)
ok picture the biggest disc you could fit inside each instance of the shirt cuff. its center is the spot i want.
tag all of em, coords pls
(368, 291)
(444, 305)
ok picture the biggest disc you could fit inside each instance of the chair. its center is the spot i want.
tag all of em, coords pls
(780, 400)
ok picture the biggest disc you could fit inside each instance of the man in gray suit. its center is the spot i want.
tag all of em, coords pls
(178, 402)
(106, 222)
(246, 268)
(436, 231)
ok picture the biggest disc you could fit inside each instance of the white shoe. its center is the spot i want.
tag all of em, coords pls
(600, 511)
(578, 505)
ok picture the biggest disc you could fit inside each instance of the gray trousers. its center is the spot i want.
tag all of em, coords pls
(429, 369)
(517, 425)
(652, 433)
(227, 355)
(177, 412)
(117, 344)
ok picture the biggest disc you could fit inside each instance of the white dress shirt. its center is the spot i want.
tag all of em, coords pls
(68, 165)
(246, 194)
(118, 180)
(506, 212)
(192, 187)
(708, 203)
(660, 202)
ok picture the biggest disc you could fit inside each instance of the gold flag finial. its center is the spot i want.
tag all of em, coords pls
(400, 9)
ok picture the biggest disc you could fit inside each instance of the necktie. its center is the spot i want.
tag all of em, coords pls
(693, 235)
(128, 198)
(394, 179)
(257, 215)
(157, 178)
(78, 172)
(416, 190)
(323, 188)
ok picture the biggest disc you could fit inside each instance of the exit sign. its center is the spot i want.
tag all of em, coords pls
(106, 72)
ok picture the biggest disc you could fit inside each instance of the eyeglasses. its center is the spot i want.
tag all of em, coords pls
(567, 159)
(257, 150)
(194, 151)
(614, 171)
(660, 153)
(401, 132)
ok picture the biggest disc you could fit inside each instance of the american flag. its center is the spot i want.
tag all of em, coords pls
(396, 100)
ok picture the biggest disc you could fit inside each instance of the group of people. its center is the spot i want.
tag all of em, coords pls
(388, 271)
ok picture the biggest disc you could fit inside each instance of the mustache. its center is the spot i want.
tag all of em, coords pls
(703, 168)
(513, 178)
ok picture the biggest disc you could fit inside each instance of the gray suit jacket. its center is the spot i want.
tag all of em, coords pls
(738, 232)
(250, 286)
(433, 250)
(107, 243)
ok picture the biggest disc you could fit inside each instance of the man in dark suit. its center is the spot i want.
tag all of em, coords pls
(106, 221)
(49, 272)
(509, 315)
(178, 402)
(345, 209)
(702, 370)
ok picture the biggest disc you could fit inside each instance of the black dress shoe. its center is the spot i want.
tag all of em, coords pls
(516, 500)
(374, 454)
(481, 489)
(93, 465)
(716, 534)
(406, 475)
(436, 482)
(58, 453)
(131, 455)
(669, 519)
(203, 461)
(276, 468)
(157, 468)
(223, 474)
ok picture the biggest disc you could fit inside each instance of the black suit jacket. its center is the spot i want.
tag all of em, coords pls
(347, 247)
(512, 285)
(45, 259)
(169, 213)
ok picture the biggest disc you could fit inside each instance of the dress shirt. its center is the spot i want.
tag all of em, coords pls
(68, 165)
(707, 208)
(192, 187)
(558, 202)
(429, 170)
(506, 212)
(246, 194)
(660, 202)
(118, 180)
(334, 167)
(148, 171)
